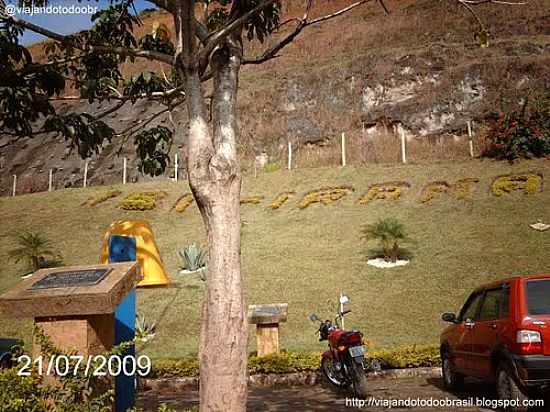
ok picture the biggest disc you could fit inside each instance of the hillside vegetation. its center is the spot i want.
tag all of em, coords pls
(307, 256)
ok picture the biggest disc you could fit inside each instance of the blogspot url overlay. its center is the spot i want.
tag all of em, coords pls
(12, 9)
(443, 403)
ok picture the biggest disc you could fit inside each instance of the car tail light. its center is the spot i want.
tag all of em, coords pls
(528, 342)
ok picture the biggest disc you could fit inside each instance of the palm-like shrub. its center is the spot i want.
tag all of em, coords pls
(390, 233)
(34, 249)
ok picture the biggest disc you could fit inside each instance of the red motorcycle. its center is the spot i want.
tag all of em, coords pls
(343, 364)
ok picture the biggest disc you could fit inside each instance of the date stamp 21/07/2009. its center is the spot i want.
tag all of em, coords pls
(96, 365)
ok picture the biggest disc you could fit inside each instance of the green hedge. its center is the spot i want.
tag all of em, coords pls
(287, 362)
(413, 356)
(142, 200)
(167, 368)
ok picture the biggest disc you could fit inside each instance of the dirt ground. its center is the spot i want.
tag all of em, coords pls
(322, 398)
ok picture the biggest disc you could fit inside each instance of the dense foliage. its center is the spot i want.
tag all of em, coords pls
(71, 393)
(289, 362)
(520, 134)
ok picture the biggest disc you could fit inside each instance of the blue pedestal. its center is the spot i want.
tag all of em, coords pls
(123, 249)
(125, 321)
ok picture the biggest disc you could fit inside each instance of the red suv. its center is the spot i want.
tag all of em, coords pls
(501, 335)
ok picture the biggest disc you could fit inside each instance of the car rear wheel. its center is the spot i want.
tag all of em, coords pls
(451, 379)
(507, 388)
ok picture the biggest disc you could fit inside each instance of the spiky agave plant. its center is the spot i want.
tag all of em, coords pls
(145, 331)
(389, 232)
(33, 248)
(193, 257)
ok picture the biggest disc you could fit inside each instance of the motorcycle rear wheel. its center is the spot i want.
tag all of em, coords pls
(328, 367)
(359, 380)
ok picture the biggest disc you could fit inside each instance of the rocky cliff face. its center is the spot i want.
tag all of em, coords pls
(422, 91)
(417, 71)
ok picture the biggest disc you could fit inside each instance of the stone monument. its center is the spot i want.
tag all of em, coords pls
(79, 307)
(267, 319)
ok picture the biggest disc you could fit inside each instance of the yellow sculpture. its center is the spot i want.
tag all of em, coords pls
(146, 250)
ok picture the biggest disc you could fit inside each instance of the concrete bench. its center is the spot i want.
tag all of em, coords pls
(267, 319)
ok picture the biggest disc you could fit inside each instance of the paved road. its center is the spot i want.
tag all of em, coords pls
(320, 398)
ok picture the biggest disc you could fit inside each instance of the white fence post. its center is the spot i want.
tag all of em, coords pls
(403, 146)
(343, 149)
(124, 171)
(470, 138)
(85, 174)
(14, 185)
(50, 181)
(289, 155)
(176, 167)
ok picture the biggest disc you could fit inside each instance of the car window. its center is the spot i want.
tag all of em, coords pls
(490, 307)
(470, 308)
(538, 297)
(505, 301)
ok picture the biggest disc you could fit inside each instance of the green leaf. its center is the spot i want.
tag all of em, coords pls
(153, 149)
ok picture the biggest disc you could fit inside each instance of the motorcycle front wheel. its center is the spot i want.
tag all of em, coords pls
(359, 380)
(331, 372)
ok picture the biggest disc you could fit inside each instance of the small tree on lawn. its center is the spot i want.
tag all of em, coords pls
(390, 233)
(208, 48)
(32, 248)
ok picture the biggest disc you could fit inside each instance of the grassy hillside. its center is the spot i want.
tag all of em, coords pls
(306, 257)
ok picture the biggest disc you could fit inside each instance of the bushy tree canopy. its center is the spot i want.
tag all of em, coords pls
(89, 62)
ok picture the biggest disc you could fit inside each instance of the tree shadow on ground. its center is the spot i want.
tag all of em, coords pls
(280, 399)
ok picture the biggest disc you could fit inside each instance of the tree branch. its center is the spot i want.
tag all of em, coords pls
(469, 4)
(226, 62)
(154, 95)
(199, 147)
(147, 54)
(15, 138)
(167, 5)
(272, 51)
(142, 123)
(216, 38)
(384, 6)
(132, 129)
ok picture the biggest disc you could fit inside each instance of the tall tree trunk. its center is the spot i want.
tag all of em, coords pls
(223, 335)
(215, 179)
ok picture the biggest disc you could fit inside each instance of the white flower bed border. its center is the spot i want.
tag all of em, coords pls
(384, 264)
